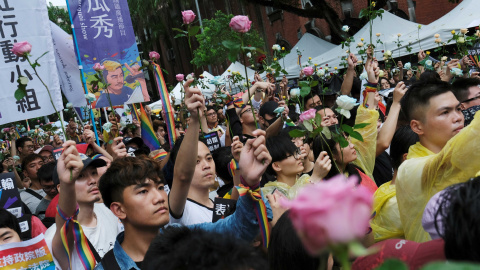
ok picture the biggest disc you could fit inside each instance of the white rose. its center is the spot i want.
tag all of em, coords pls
(249, 55)
(276, 47)
(461, 40)
(444, 58)
(320, 72)
(345, 28)
(428, 62)
(360, 44)
(295, 92)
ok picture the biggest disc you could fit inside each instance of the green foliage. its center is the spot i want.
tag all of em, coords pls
(392, 264)
(212, 49)
(60, 17)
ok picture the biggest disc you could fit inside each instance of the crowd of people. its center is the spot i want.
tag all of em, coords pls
(418, 155)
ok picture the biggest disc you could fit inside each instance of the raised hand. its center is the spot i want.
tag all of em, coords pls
(323, 164)
(255, 159)
(237, 147)
(399, 92)
(118, 148)
(69, 164)
(352, 61)
(194, 100)
(421, 55)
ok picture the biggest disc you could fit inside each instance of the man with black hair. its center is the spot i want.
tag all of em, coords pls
(45, 176)
(24, 147)
(78, 178)
(9, 228)
(444, 155)
(133, 189)
(203, 249)
(467, 91)
(33, 195)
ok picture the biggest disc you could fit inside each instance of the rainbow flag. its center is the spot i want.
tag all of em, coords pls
(148, 135)
(166, 106)
(160, 155)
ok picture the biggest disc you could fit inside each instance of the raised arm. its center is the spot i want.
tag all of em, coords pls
(187, 155)
(387, 131)
(69, 166)
(348, 81)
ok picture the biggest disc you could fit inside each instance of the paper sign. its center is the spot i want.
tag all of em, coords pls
(212, 141)
(222, 208)
(31, 254)
(9, 195)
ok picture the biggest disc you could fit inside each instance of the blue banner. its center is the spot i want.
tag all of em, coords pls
(104, 35)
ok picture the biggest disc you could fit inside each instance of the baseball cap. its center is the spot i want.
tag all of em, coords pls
(268, 108)
(47, 147)
(414, 254)
(87, 162)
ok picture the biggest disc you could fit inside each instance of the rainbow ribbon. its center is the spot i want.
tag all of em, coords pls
(166, 106)
(97, 156)
(160, 155)
(260, 208)
(232, 167)
(83, 249)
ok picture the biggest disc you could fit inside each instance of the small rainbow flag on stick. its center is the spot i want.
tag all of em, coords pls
(148, 135)
(166, 106)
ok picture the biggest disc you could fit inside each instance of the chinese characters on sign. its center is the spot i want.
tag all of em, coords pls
(26, 20)
(31, 254)
(212, 141)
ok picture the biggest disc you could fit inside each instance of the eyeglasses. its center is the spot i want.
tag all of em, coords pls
(47, 159)
(470, 99)
(30, 146)
(211, 114)
(48, 188)
(248, 110)
(296, 155)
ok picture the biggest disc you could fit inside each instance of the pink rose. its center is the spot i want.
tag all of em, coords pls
(331, 212)
(308, 71)
(307, 115)
(240, 24)
(180, 77)
(21, 48)
(188, 16)
(154, 55)
(98, 67)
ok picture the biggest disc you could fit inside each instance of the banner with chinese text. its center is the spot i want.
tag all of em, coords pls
(26, 20)
(31, 254)
(105, 35)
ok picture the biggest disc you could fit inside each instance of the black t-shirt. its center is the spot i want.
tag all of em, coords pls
(139, 264)
(383, 171)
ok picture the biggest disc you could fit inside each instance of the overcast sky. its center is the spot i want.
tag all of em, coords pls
(57, 2)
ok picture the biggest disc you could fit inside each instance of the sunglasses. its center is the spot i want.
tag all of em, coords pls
(471, 99)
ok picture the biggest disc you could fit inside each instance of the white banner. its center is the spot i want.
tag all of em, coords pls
(26, 20)
(67, 66)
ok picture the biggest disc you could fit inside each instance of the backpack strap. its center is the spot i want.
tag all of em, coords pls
(94, 251)
(31, 192)
(109, 262)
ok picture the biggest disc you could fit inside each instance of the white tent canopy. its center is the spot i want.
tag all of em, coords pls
(463, 16)
(208, 91)
(388, 26)
(309, 46)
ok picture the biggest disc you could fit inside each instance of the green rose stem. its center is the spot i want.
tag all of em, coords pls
(248, 86)
(341, 252)
(48, 91)
(370, 22)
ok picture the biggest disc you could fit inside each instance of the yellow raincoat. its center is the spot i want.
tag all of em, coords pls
(425, 173)
(289, 191)
(386, 224)
(366, 150)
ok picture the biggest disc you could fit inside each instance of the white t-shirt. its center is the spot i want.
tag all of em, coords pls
(30, 200)
(102, 236)
(193, 213)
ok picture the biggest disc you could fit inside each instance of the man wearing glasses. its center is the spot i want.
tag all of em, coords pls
(47, 153)
(212, 123)
(45, 176)
(24, 147)
(467, 91)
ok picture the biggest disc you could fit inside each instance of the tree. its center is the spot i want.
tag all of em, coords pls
(211, 50)
(320, 9)
(60, 17)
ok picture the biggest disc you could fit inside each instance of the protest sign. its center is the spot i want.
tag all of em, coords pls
(104, 35)
(31, 254)
(212, 141)
(9, 196)
(26, 20)
(67, 67)
(222, 208)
